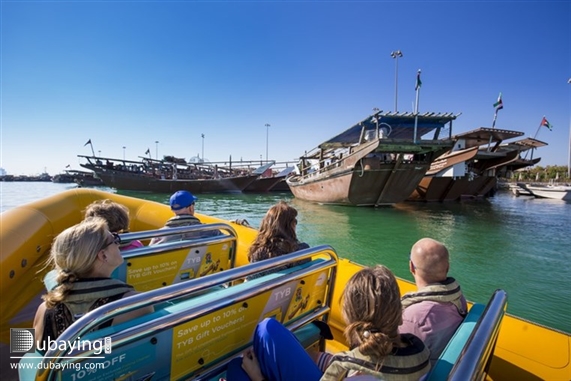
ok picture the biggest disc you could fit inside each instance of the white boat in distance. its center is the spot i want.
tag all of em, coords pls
(559, 192)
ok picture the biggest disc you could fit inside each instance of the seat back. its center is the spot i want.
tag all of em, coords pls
(450, 354)
(151, 267)
(198, 326)
(160, 265)
(469, 352)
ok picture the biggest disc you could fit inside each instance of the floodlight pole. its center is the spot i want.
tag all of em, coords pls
(267, 139)
(396, 54)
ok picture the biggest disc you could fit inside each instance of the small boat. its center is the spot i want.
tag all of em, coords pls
(63, 178)
(378, 161)
(167, 175)
(269, 180)
(81, 178)
(86, 179)
(205, 315)
(554, 191)
(518, 191)
(470, 169)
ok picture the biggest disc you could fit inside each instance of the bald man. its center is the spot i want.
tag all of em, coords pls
(436, 309)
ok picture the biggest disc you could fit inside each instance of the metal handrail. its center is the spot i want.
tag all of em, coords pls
(186, 289)
(175, 245)
(148, 234)
(478, 351)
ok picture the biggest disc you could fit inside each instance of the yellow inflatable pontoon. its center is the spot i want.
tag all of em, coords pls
(205, 314)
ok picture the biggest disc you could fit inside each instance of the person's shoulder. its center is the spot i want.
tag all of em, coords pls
(132, 245)
(302, 245)
(186, 218)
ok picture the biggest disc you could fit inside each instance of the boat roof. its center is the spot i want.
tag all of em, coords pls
(401, 124)
(95, 158)
(524, 144)
(482, 135)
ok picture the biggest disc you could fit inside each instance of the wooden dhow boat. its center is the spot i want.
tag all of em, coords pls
(378, 161)
(205, 315)
(168, 175)
(470, 169)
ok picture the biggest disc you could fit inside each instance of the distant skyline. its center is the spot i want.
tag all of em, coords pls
(207, 78)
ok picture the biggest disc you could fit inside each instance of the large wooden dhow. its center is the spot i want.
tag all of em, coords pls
(167, 176)
(470, 169)
(378, 161)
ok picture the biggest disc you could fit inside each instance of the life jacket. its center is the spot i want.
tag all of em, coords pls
(84, 296)
(446, 292)
(404, 364)
(182, 220)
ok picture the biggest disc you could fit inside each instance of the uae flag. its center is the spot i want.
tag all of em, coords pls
(545, 123)
(499, 104)
(418, 81)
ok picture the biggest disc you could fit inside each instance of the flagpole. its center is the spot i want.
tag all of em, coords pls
(418, 84)
(498, 106)
(538, 128)
(534, 136)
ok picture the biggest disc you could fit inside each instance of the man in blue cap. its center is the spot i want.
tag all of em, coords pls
(182, 204)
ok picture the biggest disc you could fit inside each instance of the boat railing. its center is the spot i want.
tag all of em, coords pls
(475, 359)
(198, 230)
(195, 303)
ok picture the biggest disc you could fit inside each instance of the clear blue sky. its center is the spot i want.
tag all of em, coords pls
(130, 73)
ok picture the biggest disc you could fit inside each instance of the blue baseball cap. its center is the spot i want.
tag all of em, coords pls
(182, 199)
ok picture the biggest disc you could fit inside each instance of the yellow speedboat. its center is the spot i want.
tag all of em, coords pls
(205, 314)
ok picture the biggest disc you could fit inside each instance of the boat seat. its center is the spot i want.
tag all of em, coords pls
(308, 336)
(199, 330)
(151, 267)
(474, 341)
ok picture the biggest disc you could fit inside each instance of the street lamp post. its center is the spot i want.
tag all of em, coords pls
(267, 139)
(124, 152)
(396, 54)
(156, 149)
(99, 152)
(203, 148)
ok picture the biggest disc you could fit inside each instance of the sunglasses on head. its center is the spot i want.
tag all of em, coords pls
(115, 240)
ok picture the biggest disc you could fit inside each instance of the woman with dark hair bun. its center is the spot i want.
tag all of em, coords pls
(117, 217)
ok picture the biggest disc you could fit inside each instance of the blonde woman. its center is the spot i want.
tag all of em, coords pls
(372, 311)
(117, 217)
(83, 256)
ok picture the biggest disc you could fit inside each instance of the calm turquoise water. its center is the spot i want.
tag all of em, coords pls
(519, 244)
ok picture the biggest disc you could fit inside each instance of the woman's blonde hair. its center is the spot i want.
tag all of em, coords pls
(372, 310)
(73, 255)
(277, 232)
(116, 215)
